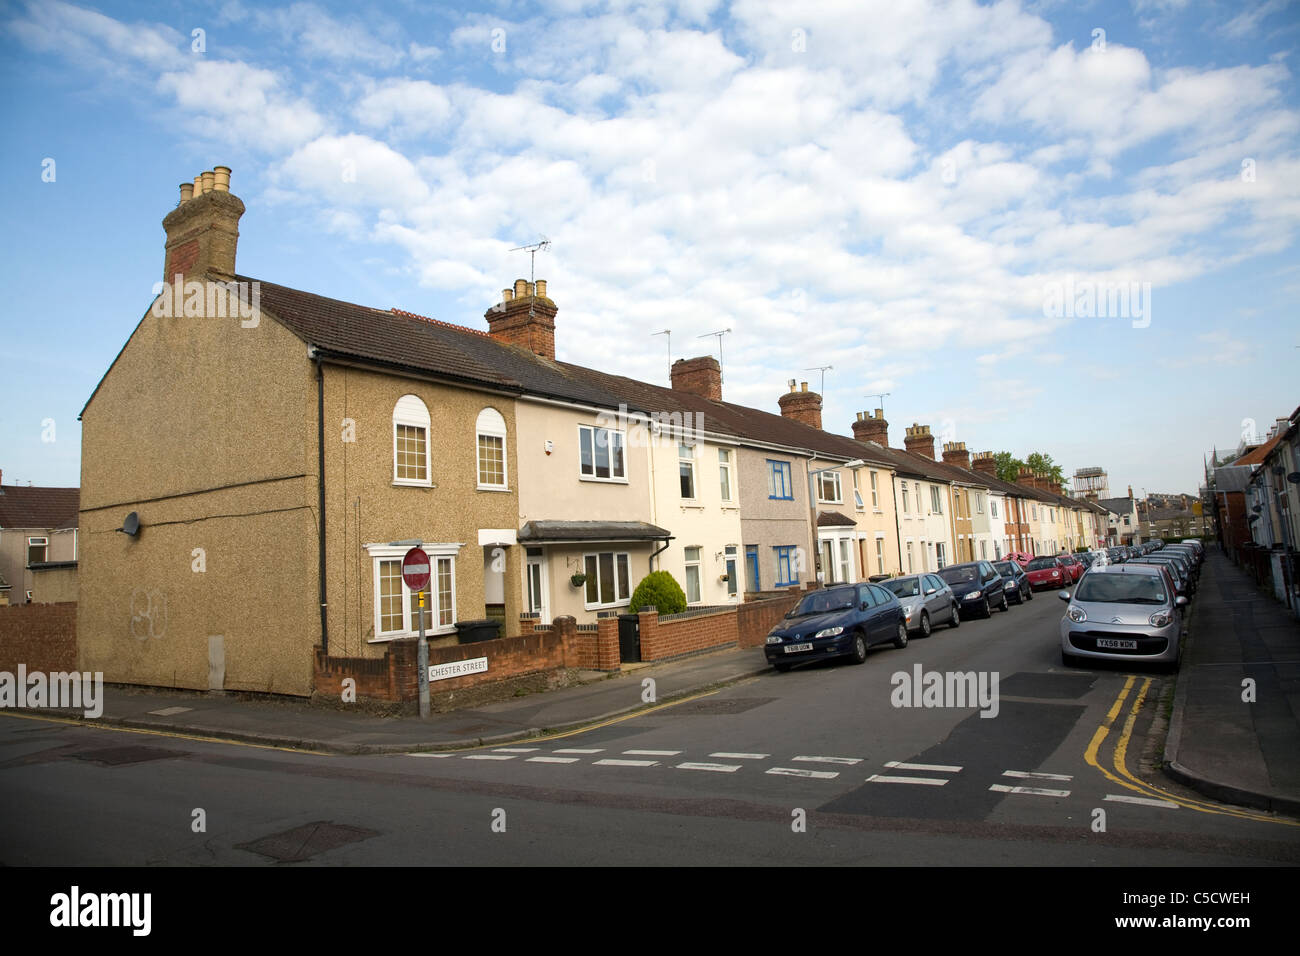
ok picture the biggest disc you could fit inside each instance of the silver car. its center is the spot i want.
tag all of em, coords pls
(927, 600)
(1122, 612)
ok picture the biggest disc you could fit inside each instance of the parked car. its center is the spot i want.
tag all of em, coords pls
(1182, 584)
(1186, 568)
(838, 621)
(1047, 572)
(1127, 613)
(927, 600)
(1015, 581)
(1071, 565)
(977, 586)
(1020, 557)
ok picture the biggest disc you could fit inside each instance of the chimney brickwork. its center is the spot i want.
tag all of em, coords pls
(872, 427)
(919, 441)
(524, 317)
(803, 405)
(986, 463)
(203, 229)
(955, 453)
(700, 376)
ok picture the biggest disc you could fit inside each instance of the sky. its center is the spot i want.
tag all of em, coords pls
(1059, 227)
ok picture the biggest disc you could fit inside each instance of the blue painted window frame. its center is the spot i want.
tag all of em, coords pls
(780, 478)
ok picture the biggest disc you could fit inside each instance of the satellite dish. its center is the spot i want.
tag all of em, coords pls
(131, 525)
(1294, 477)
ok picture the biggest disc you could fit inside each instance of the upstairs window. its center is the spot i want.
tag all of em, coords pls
(600, 454)
(491, 432)
(778, 480)
(936, 505)
(724, 473)
(37, 549)
(828, 488)
(411, 442)
(686, 469)
(875, 492)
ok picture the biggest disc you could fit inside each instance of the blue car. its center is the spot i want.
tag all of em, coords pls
(978, 587)
(841, 621)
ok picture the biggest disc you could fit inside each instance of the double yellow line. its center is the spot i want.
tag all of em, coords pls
(1119, 757)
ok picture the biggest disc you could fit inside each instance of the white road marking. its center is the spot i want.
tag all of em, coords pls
(581, 750)
(932, 767)
(845, 760)
(715, 767)
(924, 781)
(552, 760)
(515, 750)
(732, 756)
(490, 757)
(1033, 791)
(1143, 801)
(652, 753)
(431, 755)
(798, 772)
(1034, 775)
(612, 762)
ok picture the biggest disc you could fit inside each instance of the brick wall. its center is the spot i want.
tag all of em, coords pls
(41, 636)
(756, 618)
(664, 639)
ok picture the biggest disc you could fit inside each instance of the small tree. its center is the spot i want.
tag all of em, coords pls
(659, 588)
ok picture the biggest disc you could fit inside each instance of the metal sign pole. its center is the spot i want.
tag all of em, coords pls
(422, 661)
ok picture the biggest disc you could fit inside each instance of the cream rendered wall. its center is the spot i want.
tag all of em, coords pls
(876, 521)
(998, 525)
(705, 521)
(981, 524)
(924, 527)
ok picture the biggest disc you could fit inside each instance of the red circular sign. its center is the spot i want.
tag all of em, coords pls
(415, 569)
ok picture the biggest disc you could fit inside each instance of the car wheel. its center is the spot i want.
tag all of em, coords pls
(901, 641)
(860, 647)
(956, 617)
(1029, 595)
(1068, 660)
(925, 624)
(1005, 605)
(988, 609)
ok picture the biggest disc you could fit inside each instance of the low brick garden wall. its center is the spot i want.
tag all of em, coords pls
(41, 636)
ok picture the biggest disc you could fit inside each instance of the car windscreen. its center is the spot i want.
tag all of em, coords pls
(958, 575)
(1039, 564)
(1004, 567)
(1120, 589)
(903, 587)
(822, 602)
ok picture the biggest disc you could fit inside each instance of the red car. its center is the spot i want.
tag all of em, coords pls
(1046, 572)
(1073, 565)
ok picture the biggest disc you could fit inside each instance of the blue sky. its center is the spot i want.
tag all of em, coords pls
(892, 189)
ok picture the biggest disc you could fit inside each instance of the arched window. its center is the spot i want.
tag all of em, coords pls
(491, 433)
(411, 442)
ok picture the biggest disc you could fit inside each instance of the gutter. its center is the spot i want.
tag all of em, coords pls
(320, 464)
(654, 554)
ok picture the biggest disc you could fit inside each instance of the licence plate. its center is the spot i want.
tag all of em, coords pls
(792, 648)
(1116, 645)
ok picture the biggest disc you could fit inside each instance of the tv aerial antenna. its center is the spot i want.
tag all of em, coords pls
(533, 249)
(720, 333)
(821, 389)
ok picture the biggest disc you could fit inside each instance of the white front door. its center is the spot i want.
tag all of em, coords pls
(537, 586)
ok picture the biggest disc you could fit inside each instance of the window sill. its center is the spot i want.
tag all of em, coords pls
(603, 481)
(780, 497)
(404, 483)
(439, 632)
(493, 488)
(690, 507)
(606, 607)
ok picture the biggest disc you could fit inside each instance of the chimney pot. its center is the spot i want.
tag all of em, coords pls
(221, 178)
(541, 288)
(803, 386)
(507, 295)
(209, 180)
(187, 192)
(860, 414)
(521, 288)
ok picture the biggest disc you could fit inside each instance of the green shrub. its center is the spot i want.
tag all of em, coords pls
(659, 588)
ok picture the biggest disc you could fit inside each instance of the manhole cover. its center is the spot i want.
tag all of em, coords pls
(304, 842)
(734, 705)
(116, 756)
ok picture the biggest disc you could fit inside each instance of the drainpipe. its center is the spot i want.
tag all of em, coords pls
(320, 463)
(654, 554)
(898, 532)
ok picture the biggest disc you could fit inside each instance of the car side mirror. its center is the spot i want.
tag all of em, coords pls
(1180, 601)
(865, 606)
(930, 591)
(1063, 595)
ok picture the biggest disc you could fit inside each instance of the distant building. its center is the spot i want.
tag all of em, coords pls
(38, 533)
(1091, 483)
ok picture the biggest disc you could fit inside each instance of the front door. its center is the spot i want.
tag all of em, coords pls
(536, 570)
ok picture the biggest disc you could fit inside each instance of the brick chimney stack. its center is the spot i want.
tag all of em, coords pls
(955, 453)
(803, 405)
(203, 229)
(524, 317)
(872, 427)
(700, 376)
(986, 463)
(919, 441)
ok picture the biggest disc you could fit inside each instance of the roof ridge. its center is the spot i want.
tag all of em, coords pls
(432, 321)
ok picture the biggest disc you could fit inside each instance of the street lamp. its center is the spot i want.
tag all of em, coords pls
(812, 503)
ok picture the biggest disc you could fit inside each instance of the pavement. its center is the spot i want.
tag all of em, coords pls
(1237, 751)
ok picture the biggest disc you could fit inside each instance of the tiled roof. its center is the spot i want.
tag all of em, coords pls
(47, 508)
(551, 530)
(833, 519)
(1258, 455)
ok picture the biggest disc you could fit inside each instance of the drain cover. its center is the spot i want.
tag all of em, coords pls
(116, 756)
(734, 705)
(304, 842)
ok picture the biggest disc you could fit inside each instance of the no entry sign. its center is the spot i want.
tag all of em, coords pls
(415, 569)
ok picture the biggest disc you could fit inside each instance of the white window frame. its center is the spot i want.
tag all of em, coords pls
(688, 458)
(880, 553)
(410, 627)
(834, 477)
(620, 440)
(936, 500)
(979, 503)
(490, 428)
(725, 471)
(32, 542)
(620, 600)
(905, 501)
(697, 564)
(406, 412)
(875, 493)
